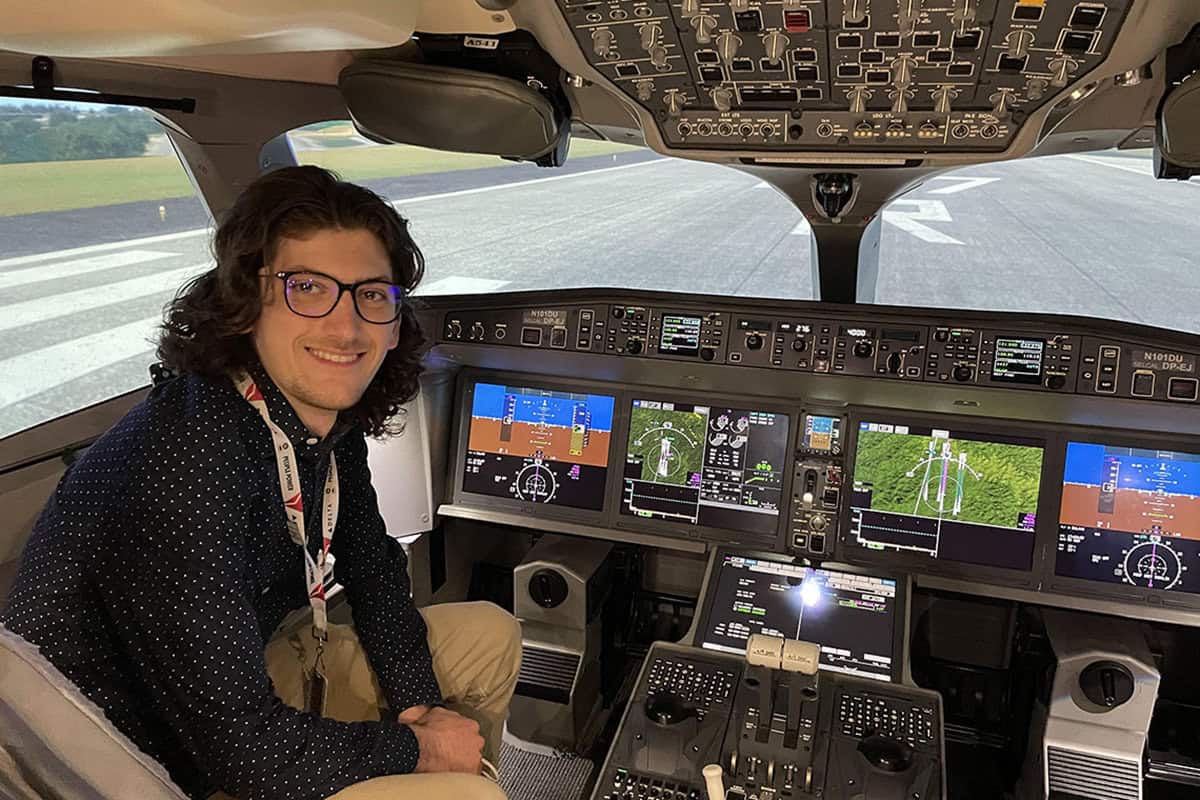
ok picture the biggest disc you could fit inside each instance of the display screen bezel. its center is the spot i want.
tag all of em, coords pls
(706, 532)
(850, 552)
(903, 591)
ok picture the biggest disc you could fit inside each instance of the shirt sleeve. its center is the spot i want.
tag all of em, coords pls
(373, 569)
(174, 592)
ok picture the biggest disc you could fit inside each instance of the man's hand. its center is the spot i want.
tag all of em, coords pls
(449, 742)
(410, 715)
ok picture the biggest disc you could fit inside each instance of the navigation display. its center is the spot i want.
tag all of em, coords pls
(705, 465)
(1018, 360)
(1130, 516)
(946, 494)
(852, 617)
(538, 445)
(680, 335)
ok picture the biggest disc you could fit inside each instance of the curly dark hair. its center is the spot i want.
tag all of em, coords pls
(204, 327)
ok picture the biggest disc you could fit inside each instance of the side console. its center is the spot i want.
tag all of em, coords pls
(770, 733)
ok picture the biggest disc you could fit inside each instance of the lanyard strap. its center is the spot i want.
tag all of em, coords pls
(293, 504)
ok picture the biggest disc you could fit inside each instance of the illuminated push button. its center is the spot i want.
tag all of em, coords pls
(1183, 389)
(1143, 384)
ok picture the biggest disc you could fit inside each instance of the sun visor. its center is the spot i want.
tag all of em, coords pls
(1179, 124)
(448, 109)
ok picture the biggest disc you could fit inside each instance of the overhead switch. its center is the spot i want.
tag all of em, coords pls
(902, 71)
(651, 31)
(943, 98)
(1002, 103)
(776, 45)
(858, 99)
(690, 8)
(727, 46)
(855, 12)
(1062, 67)
(964, 13)
(704, 24)
(1019, 43)
(602, 42)
(675, 102)
(906, 16)
(722, 99)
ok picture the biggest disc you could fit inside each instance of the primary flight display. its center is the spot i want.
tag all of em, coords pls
(538, 445)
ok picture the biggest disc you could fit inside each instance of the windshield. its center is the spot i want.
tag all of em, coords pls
(101, 227)
(1090, 234)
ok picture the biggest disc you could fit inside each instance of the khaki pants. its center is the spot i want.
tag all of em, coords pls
(476, 651)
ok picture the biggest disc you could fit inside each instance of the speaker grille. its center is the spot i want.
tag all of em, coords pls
(1091, 775)
(547, 674)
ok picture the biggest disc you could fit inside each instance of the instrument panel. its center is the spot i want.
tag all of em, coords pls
(636, 448)
(829, 75)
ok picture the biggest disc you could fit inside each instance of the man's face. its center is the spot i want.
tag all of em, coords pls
(324, 365)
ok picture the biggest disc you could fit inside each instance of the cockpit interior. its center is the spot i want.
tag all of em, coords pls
(845, 543)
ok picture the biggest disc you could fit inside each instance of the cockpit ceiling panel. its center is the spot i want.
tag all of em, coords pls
(838, 75)
(133, 28)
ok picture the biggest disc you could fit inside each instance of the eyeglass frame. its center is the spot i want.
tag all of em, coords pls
(342, 289)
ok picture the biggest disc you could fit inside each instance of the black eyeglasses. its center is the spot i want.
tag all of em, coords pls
(315, 294)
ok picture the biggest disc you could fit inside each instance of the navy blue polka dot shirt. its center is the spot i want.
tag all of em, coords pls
(162, 565)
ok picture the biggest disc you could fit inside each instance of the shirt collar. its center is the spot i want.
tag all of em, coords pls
(306, 443)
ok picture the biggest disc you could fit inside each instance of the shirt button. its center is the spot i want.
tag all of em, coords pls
(311, 440)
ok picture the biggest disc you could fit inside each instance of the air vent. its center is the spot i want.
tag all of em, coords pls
(547, 674)
(1094, 776)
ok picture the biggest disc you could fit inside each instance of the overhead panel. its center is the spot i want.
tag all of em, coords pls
(837, 75)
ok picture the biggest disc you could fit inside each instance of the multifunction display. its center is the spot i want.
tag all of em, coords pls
(947, 494)
(852, 617)
(822, 434)
(680, 335)
(538, 445)
(705, 465)
(1130, 516)
(1018, 360)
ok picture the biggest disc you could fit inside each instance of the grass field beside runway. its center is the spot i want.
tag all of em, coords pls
(67, 185)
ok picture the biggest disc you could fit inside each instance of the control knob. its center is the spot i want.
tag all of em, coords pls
(1062, 67)
(707, 354)
(942, 99)
(854, 12)
(477, 332)
(799, 344)
(902, 71)
(658, 55)
(964, 13)
(739, 5)
(704, 24)
(645, 91)
(454, 329)
(859, 96)
(1036, 89)
(906, 16)
(675, 100)
(633, 346)
(689, 8)
(1019, 43)
(1001, 102)
(863, 348)
(963, 373)
(754, 342)
(894, 362)
(650, 33)
(602, 42)
(776, 45)
(900, 103)
(727, 46)
(722, 98)
(817, 522)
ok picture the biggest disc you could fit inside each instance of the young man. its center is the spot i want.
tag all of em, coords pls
(171, 551)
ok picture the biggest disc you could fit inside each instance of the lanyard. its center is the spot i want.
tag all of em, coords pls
(293, 506)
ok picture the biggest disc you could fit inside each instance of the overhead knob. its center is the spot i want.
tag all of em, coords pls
(727, 46)
(1019, 43)
(645, 91)
(690, 8)
(704, 24)
(722, 99)
(776, 45)
(739, 5)
(906, 16)
(1062, 67)
(602, 42)
(1036, 89)
(859, 96)
(900, 102)
(675, 101)
(650, 33)
(942, 99)
(964, 13)
(902, 71)
(854, 12)
(658, 55)
(1001, 103)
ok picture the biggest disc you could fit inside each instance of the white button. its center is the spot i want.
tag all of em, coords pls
(311, 440)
